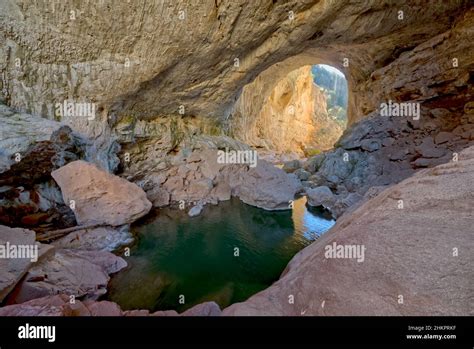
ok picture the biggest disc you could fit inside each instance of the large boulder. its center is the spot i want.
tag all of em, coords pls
(321, 196)
(265, 186)
(28, 197)
(72, 272)
(417, 259)
(100, 197)
(197, 178)
(12, 268)
(291, 166)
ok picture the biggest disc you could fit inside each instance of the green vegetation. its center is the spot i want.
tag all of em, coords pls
(339, 114)
(311, 152)
(335, 88)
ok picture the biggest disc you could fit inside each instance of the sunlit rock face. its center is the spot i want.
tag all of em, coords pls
(382, 148)
(293, 118)
(164, 79)
(158, 85)
(161, 87)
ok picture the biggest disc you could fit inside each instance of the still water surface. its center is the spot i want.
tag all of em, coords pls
(197, 256)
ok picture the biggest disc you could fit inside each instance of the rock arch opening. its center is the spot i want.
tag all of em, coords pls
(299, 115)
(170, 96)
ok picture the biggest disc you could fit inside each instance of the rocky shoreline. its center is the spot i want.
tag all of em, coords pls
(108, 204)
(101, 207)
(169, 97)
(442, 189)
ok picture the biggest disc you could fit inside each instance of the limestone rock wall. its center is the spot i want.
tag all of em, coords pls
(165, 76)
(30, 149)
(293, 118)
(384, 149)
(148, 58)
(438, 73)
(140, 70)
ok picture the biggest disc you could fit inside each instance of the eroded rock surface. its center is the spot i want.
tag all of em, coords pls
(30, 149)
(444, 87)
(13, 269)
(196, 177)
(293, 118)
(60, 305)
(29, 196)
(409, 252)
(171, 111)
(264, 186)
(403, 147)
(191, 61)
(100, 238)
(99, 197)
(72, 272)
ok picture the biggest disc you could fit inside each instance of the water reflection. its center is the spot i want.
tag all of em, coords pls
(311, 222)
(226, 254)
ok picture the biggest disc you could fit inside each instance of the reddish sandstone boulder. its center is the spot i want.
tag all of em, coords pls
(100, 197)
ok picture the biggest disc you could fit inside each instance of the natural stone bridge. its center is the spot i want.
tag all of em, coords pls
(173, 81)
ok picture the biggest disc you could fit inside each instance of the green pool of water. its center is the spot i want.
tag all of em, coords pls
(228, 253)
